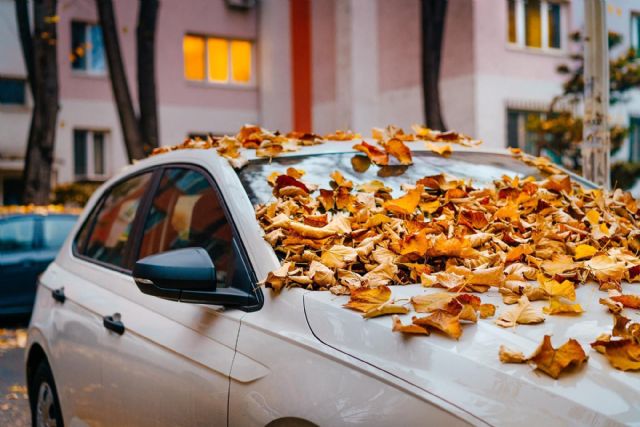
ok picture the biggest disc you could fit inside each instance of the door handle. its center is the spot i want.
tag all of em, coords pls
(113, 323)
(58, 295)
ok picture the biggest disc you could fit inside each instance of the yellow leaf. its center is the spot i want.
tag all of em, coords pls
(384, 309)
(585, 251)
(522, 313)
(556, 306)
(553, 361)
(408, 329)
(406, 204)
(338, 256)
(365, 299)
(444, 150)
(443, 321)
(593, 216)
(510, 356)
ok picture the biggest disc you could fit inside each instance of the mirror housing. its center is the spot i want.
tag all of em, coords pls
(185, 275)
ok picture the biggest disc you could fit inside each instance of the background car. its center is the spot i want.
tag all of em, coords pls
(28, 244)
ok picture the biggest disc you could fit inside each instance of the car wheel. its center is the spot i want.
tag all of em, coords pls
(43, 397)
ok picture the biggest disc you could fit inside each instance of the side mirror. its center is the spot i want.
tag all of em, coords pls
(185, 275)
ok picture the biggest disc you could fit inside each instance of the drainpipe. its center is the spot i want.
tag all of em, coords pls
(596, 144)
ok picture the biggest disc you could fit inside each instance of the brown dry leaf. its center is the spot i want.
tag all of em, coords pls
(365, 299)
(338, 256)
(627, 300)
(375, 154)
(443, 149)
(565, 289)
(443, 321)
(523, 313)
(605, 268)
(511, 356)
(277, 278)
(398, 326)
(406, 204)
(487, 310)
(553, 361)
(622, 354)
(386, 308)
(321, 275)
(399, 150)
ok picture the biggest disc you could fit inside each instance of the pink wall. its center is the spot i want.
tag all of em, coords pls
(205, 17)
(398, 44)
(457, 46)
(323, 42)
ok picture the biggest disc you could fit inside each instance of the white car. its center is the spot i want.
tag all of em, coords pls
(195, 340)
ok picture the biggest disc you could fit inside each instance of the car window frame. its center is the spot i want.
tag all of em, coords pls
(126, 269)
(244, 260)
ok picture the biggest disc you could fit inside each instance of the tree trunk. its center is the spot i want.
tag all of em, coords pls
(39, 157)
(147, 18)
(433, 18)
(128, 121)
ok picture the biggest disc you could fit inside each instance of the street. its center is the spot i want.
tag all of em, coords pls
(14, 404)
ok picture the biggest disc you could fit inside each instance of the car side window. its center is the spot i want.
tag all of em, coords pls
(109, 234)
(186, 212)
(55, 230)
(16, 234)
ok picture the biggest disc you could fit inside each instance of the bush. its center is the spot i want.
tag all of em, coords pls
(624, 175)
(74, 193)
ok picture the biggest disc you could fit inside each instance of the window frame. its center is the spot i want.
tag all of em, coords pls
(90, 155)
(132, 249)
(229, 83)
(23, 80)
(87, 71)
(520, 28)
(634, 31)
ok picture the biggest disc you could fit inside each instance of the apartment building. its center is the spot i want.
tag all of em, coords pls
(315, 65)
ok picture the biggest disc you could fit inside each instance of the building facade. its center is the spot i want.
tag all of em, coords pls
(314, 65)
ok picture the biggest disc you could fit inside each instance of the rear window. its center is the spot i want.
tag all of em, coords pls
(55, 230)
(481, 168)
(16, 234)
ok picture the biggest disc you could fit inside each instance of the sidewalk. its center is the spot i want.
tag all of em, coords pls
(14, 404)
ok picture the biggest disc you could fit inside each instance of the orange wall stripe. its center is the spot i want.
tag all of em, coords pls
(300, 15)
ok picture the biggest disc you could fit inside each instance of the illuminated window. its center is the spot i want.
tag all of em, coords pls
(87, 48)
(535, 23)
(217, 60)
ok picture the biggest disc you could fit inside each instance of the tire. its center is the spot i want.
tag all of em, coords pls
(43, 398)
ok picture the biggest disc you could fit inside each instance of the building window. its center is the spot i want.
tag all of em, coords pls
(535, 23)
(519, 134)
(634, 139)
(635, 33)
(217, 60)
(87, 48)
(89, 154)
(12, 91)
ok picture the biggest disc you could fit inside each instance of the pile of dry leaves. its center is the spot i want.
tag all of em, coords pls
(37, 209)
(530, 240)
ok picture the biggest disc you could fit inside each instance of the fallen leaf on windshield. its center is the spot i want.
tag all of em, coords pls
(411, 328)
(523, 313)
(375, 154)
(444, 150)
(399, 150)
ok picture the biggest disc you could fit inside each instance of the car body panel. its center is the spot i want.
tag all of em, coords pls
(468, 372)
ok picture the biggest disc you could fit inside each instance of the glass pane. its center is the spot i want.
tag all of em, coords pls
(634, 140)
(512, 129)
(97, 49)
(12, 91)
(16, 234)
(512, 20)
(80, 153)
(110, 233)
(98, 153)
(193, 50)
(218, 50)
(55, 230)
(636, 42)
(78, 46)
(185, 213)
(241, 61)
(533, 33)
(554, 25)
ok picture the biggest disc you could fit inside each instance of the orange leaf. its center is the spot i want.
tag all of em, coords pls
(408, 329)
(629, 301)
(443, 150)
(622, 354)
(553, 361)
(399, 150)
(406, 204)
(376, 155)
(365, 299)
(443, 321)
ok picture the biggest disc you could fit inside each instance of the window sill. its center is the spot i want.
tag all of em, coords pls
(89, 75)
(558, 53)
(214, 85)
(15, 108)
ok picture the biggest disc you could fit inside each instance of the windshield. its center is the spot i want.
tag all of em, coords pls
(481, 168)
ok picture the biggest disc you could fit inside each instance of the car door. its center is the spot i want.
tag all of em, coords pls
(78, 302)
(171, 363)
(17, 270)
